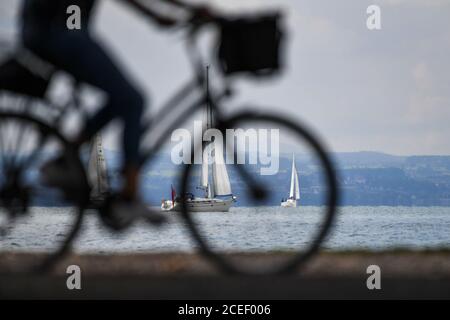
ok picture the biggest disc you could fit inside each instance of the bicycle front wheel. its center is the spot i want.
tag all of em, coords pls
(285, 191)
(37, 222)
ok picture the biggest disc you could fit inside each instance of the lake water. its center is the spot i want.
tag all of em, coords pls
(261, 228)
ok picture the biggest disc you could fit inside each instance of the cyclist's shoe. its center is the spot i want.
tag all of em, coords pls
(64, 174)
(119, 213)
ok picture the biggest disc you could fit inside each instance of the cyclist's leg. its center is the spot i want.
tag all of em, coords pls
(86, 60)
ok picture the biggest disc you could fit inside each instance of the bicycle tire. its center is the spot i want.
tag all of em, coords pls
(299, 258)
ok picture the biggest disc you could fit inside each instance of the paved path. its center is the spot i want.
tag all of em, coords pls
(185, 276)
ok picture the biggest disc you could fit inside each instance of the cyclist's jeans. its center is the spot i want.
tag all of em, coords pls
(80, 55)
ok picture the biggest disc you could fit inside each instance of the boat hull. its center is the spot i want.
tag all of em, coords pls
(200, 205)
(289, 203)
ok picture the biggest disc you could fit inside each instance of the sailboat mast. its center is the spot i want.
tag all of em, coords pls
(211, 192)
(209, 118)
(99, 172)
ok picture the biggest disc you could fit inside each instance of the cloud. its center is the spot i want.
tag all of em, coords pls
(422, 76)
(427, 106)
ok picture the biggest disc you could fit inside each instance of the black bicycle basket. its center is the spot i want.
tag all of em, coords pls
(18, 79)
(251, 44)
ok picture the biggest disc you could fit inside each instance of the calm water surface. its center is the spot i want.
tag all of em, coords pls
(262, 228)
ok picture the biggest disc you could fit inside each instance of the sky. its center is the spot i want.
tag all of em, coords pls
(385, 90)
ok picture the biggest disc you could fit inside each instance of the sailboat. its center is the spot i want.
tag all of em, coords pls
(294, 193)
(97, 173)
(214, 179)
(216, 186)
(217, 189)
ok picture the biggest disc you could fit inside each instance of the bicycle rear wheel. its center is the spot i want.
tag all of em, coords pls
(37, 222)
(245, 240)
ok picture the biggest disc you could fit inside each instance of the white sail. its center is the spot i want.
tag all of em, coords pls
(221, 180)
(204, 173)
(295, 190)
(297, 187)
(102, 169)
(97, 171)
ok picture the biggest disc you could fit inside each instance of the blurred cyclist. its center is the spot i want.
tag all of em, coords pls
(45, 33)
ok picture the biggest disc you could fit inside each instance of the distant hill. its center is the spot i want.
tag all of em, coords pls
(368, 159)
(365, 178)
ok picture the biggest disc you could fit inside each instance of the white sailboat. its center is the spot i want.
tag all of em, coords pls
(97, 172)
(294, 193)
(217, 189)
(214, 181)
(217, 197)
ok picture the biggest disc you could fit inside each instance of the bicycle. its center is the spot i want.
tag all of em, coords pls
(265, 27)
